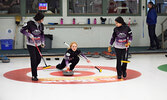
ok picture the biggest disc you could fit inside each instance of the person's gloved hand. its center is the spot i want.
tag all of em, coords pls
(88, 60)
(42, 45)
(109, 49)
(68, 69)
(127, 44)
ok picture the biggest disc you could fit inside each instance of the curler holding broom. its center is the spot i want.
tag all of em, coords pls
(33, 30)
(122, 36)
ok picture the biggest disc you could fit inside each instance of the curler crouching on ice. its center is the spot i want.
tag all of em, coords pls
(71, 56)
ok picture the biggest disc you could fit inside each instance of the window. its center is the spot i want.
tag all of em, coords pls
(46, 6)
(9, 7)
(104, 7)
(123, 6)
(85, 7)
(161, 6)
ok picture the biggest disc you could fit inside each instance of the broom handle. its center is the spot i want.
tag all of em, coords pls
(127, 50)
(39, 52)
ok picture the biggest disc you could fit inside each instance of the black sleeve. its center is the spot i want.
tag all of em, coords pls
(26, 26)
(129, 34)
(25, 29)
(113, 37)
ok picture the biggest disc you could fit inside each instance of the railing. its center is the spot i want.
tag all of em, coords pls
(163, 33)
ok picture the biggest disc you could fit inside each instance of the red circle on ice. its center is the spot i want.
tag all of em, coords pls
(79, 77)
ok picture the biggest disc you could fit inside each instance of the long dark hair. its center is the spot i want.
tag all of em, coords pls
(120, 20)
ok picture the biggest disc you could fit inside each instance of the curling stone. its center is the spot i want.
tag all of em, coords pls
(48, 59)
(103, 53)
(88, 54)
(112, 56)
(107, 54)
(68, 73)
(1, 57)
(96, 55)
(5, 60)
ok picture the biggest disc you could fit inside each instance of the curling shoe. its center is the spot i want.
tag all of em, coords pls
(119, 77)
(124, 74)
(34, 78)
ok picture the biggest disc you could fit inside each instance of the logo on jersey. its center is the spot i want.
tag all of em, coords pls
(122, 35)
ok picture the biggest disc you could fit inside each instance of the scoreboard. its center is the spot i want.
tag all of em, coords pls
(43, 6)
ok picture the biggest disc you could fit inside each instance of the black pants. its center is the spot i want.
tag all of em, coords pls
(152, 35)
(35, 58)
(120, 54)
(73, 62)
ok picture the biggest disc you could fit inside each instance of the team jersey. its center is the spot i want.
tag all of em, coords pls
(32, 29)
(121, 36)
(70, 55)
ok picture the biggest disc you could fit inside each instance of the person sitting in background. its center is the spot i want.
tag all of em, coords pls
(10, 6)
(123, 9)
(4, 6)
(53, 6)
(112, 7)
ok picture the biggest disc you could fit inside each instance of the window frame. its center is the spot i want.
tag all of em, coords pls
(104, 12)
(29, 15)
(68, 14)
(15, 14)
(24, 14)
